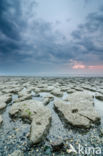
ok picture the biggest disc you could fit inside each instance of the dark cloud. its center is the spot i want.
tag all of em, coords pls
(7, 22)
(90, 35)
(101, 8)
(24, 35)
(25, 39)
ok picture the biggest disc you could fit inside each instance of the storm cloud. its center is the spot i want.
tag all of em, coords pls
(29, 43)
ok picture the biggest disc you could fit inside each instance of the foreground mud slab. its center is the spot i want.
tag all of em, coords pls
(37, 114)
(80, 112)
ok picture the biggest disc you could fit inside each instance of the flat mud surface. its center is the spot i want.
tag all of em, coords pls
(15, 132)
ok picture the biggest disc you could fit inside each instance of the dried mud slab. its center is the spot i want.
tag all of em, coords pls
(4, 100)
(80, 112)
(57, 92)
(37, 114)
(99, 96)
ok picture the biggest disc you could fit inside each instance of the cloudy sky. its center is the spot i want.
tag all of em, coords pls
(48, 37)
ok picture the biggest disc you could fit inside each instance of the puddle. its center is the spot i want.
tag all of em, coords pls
(65, 95)
(99, 108)
(14, 97)
(32, 93)
(43, 94)
(57, 130)
(36, 96)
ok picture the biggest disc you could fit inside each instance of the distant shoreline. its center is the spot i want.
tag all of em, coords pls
(59, 76)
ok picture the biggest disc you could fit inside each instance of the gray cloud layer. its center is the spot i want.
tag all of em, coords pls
(26, 39)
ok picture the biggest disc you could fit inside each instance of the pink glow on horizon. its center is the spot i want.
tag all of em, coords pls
(96, 67)
(79, 66)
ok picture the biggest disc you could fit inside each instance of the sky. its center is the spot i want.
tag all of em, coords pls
(44, 37)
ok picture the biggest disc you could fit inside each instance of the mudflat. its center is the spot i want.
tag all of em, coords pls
(49, 115)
